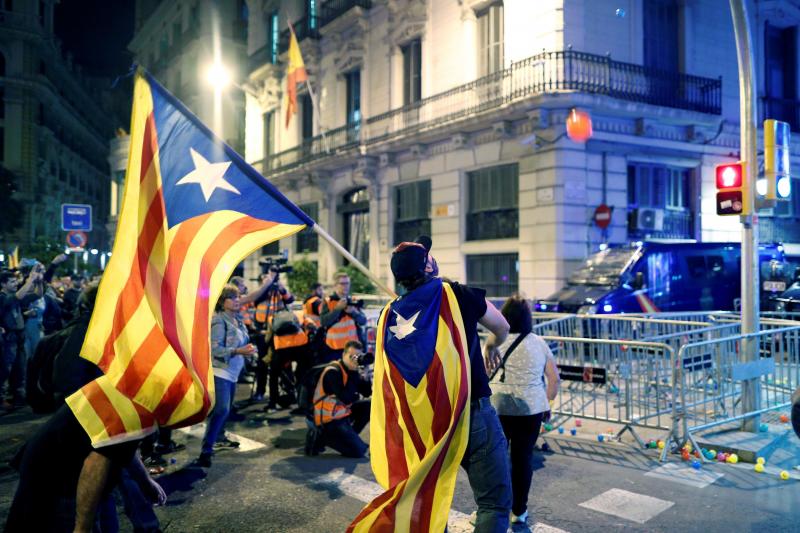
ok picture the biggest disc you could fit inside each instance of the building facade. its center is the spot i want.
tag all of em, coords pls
(448, 117)
(53, 130)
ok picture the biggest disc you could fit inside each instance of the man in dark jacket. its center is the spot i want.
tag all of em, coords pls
(12, 336)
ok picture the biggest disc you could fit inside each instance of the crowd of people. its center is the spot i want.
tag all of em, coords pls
(312, 361)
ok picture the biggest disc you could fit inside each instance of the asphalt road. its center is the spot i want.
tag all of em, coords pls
(270, 486)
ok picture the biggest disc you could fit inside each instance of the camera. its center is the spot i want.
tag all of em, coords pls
(354, 302)
(275, 264)
(364, 359)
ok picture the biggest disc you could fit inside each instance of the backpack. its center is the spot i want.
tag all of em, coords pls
(39, 387)
(307, 387)
(285, 323)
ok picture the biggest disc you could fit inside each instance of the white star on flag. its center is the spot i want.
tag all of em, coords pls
(208, 175)
(404, 327)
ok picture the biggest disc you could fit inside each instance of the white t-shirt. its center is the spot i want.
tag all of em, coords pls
(523, 392)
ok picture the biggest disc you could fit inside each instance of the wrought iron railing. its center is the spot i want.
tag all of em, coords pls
(782, 109)
(303, 28)
(548, 72)
(333, 9)
(676, 225)
(778, 229)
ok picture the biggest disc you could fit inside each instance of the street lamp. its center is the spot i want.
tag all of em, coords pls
(218, 76)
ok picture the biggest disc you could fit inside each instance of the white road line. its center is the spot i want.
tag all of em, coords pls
(628, 505)
(245, 444)
(366, 491)
(686, 475)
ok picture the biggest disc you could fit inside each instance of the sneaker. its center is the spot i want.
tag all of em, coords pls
(473, 518)
(163, 449)
(225, 444)
(155, 460)
(521, 519)
(258, 398)
(203, 461)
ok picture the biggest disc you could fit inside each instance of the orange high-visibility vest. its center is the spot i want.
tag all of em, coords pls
(290, 341)
(343, 331)
(308, 309)
(246, 311)
(328, 407)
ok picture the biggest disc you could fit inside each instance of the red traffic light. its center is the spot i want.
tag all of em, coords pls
(730, 176)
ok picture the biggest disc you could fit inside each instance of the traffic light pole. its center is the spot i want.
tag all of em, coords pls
(751, 390)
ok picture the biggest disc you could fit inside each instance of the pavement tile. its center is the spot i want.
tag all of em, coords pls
(628, 505)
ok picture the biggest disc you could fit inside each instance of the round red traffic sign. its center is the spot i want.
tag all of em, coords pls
(602, 216)
(77, 239)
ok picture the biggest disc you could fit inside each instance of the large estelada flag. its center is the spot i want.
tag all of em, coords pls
(192, 210)
(295, 73)
(419, 425)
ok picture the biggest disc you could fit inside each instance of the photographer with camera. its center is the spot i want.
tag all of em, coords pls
(339, 414)
(342, 318)
(274, 297)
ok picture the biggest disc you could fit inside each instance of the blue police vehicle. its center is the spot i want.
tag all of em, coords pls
(651, 277)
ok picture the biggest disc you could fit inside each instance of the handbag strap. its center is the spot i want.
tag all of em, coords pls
(510, 349)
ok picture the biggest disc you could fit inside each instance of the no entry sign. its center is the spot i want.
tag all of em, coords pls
(602, 216)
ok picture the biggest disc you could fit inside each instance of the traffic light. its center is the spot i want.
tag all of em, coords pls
(732, 189)
(776, 160)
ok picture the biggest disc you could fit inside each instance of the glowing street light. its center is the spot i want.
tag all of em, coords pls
(218, 76)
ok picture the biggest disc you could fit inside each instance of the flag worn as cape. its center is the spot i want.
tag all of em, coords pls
(419, 420)
(295, 73)
(192, 210)
(13, 258)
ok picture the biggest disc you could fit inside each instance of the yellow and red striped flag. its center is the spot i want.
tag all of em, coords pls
(192, 210)
(13, 258)
(295, 73)
(419, 420)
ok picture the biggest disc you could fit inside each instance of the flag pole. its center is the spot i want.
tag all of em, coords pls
(341, 249)
(314, 100)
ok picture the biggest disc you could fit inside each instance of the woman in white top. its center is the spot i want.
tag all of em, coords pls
(521, 397)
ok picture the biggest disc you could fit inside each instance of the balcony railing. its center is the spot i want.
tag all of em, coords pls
(548, 72)
(778, 229)
(303, 28)
(782, 109)
(333, 9)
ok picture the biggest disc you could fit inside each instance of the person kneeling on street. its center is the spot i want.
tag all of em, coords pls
(339, 416)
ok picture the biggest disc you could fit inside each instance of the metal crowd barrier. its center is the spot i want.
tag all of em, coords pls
(624, 382)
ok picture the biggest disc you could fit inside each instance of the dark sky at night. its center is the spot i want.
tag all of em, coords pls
(97, 32)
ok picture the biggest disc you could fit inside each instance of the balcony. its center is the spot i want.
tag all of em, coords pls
(781, 109)
(545, 73)
(333, 9)
(303, 28)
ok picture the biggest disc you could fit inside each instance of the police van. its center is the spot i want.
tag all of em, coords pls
(652, 277)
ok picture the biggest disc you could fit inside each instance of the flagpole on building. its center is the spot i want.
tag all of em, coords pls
(341, 249)
(314, 101)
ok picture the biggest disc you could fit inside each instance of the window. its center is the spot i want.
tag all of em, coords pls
(498, 274)
(660, 201)
(307, 240)
(492, 203)
(355, 209)
(780, 75)
(661, 34)
(490, 40)
(311, 13)
(307, 110)
(412, 211)
(273, 248)
(273, 37)
(412, 72)
(269, 138)
(353, 80)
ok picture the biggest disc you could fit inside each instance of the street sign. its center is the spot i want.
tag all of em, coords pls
(77, 239)
(602, 216)
(76, 217)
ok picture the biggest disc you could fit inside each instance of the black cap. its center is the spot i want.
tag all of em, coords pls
(408, 260)
(425, 241)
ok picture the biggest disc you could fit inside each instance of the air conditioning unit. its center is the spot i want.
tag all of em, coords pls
(649, 219)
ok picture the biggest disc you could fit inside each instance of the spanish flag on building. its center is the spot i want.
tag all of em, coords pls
(192, 210)
(419, 425)
(295, 73)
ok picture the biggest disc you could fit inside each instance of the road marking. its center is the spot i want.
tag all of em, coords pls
(245, 444)
(628, 505)
(685, 475)
(366, 491)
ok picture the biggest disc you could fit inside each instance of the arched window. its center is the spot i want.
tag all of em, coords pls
(355, 212)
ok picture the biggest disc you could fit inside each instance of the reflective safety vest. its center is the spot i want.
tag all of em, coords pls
(261, 313)
(308, 310)
(247, 314)
(328, 407)
(290, 341)
(343, 331)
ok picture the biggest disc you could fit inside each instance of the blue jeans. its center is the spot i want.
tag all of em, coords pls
(486, 463)
(215, 425)
(342, 434)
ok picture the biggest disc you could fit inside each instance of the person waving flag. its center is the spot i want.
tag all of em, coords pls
(420, 412)
(192, 210)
